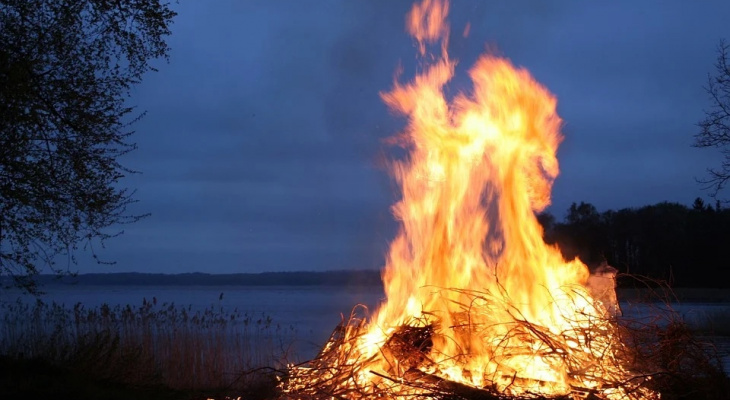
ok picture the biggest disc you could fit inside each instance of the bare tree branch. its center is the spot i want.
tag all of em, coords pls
(715, 127)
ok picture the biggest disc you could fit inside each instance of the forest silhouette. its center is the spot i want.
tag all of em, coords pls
(666, 242)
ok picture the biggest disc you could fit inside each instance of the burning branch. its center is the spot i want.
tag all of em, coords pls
(404, 365)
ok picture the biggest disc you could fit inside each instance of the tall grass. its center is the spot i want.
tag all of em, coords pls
(178, 347)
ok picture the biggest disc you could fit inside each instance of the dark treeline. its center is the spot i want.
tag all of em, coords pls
(684, 246)
(670, 242)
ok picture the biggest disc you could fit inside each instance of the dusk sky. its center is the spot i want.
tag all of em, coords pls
(262, 145)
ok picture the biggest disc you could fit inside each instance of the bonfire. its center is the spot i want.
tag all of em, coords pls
(477, 305)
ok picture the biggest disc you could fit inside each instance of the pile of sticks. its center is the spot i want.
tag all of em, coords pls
(338, 371)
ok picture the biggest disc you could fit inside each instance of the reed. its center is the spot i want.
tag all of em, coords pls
(151, 344)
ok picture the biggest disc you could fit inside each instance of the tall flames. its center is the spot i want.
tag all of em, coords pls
(476, 301)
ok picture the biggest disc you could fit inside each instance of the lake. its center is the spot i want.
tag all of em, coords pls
(311, 312)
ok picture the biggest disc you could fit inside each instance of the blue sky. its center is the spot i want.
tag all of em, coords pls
(263, 141)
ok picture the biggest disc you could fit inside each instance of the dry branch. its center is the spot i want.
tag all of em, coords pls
(340, 371)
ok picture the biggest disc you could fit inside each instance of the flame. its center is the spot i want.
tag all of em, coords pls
(504, 310)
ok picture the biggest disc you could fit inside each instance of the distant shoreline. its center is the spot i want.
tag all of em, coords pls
(293, 278)
(343, 278)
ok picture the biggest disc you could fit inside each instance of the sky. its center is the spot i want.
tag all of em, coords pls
(263, 144)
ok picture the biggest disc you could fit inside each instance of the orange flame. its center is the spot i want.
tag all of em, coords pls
(469, 262)
(479, 168)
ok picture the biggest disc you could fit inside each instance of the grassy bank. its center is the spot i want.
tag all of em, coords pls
(150, 351)
(42, 379)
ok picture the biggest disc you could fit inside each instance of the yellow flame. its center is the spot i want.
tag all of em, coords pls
(504, 310)
(479, 167)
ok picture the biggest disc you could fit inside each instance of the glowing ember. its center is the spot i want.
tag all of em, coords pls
(476, 301)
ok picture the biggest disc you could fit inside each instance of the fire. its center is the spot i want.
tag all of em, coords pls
(474, 297)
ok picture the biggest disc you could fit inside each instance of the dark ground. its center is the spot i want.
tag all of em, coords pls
(37, 379)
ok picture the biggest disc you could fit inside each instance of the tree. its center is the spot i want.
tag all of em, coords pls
(587, 233)
(583, 214)
(715, 128)
(66, 70)
(547, 221)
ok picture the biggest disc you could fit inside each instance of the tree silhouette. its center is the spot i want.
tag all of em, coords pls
(66, 68)
(715, 127)
(582, 235)
(686, 246)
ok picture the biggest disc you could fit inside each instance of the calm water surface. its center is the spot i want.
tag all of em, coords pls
(311, 312)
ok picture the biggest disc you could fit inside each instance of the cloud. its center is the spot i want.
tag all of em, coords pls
(262, 141)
